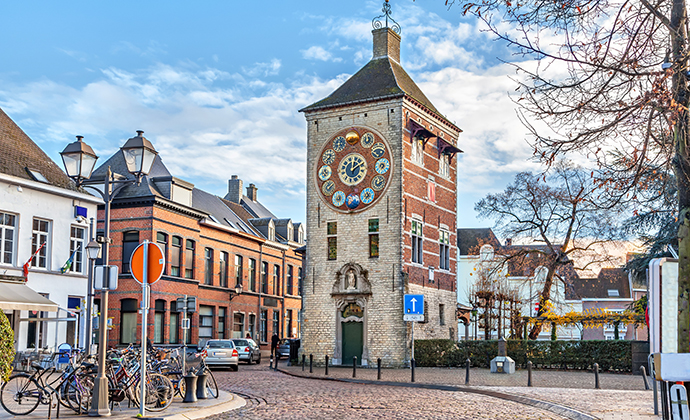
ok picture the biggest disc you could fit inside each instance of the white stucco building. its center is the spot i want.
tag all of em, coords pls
(41, 213)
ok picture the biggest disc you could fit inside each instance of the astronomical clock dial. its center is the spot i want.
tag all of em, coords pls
(355, 170)
(328, 157)
(325, 173)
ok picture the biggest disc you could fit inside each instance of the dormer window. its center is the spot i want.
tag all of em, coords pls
(271, 232)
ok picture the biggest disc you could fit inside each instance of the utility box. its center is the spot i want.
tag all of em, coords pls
(502, 363)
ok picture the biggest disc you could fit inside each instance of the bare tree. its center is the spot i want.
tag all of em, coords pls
(625, 90)
(560, 211)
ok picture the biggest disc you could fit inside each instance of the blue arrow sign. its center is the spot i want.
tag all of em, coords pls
(414, 305)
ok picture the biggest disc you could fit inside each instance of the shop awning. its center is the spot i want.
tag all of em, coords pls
(20, 297)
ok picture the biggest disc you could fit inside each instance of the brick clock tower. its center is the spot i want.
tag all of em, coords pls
(381, 212)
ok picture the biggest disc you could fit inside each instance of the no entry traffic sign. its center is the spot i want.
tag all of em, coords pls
(147, 255)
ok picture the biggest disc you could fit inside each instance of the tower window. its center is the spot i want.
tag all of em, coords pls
(331, 234)
(444, 166)
(373, 238)
(417, 155)
(417, 248)
(444, 250)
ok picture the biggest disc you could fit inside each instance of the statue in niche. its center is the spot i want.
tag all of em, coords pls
(351, 280)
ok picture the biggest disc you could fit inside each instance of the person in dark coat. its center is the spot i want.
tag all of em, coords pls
(274, 345)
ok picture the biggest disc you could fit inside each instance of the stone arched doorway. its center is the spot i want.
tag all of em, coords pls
(351, 292)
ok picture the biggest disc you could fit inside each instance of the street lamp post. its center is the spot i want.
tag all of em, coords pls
(93, 251)
(79, 160)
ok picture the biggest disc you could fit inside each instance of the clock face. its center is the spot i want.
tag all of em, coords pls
(354, 169)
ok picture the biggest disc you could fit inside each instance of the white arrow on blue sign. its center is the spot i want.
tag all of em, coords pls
(413, 308)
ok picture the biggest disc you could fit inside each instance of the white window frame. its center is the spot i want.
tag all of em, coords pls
(75, 242)
(444, 249)
(444, 165)
(417, 154)
(38, 237)
(4, 229)
(417, 236)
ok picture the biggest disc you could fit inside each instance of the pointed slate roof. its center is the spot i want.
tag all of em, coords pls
(381, 78)
(18, 152)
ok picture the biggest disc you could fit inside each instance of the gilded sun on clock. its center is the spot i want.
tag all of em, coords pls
(354, 169)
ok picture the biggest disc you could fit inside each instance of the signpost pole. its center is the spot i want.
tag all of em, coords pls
(412, 356)
(184, 337)
(144, 313)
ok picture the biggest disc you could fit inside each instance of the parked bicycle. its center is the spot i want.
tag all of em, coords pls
(22, 393)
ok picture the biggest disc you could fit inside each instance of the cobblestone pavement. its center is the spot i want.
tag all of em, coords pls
(621, 397)
(483, 377)
(275, 395)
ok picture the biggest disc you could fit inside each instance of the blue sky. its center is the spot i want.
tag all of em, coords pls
(217, 85)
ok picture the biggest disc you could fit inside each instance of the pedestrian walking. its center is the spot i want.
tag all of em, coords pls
(274, 346)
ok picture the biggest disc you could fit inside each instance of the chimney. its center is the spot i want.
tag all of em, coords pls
(509, 241)
(386, 44)
(251, 192)
(234, 190)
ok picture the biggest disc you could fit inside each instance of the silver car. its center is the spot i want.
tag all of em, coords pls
(222, 353)
(248, 350)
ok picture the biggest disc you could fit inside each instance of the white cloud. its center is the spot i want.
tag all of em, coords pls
(272, 68)
(318, 53)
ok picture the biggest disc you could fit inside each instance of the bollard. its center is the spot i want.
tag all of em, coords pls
(412, 363)
(596, 376)
(644, 378)
(311, 363)
(201, 387)
(326, 365)
(467, 371)
(304, 356)
(529, 373)
(354, 366)
(378, 367)
(190, 388)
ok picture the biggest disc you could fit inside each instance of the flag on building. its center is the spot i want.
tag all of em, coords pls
(28, 263)
(68, 264)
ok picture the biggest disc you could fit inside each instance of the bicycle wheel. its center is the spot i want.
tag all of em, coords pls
(20, 395)
(159, 392)
(211, 384)
(78, 392)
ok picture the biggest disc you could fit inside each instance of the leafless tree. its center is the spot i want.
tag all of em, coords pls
(624, 96)
(560, 211)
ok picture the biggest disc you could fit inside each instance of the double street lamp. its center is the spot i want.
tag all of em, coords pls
(79, 160)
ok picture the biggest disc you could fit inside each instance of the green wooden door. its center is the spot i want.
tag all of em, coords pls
(352, 342)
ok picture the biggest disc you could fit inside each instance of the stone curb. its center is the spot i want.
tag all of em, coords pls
(234, 403)
(560, 410)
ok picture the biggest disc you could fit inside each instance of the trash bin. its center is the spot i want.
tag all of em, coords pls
(294, 350)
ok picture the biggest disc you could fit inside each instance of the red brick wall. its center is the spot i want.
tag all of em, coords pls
(431, 213)
(150, 219)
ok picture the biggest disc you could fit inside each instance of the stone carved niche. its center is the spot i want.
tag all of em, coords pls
(351, 289)
(351, 279)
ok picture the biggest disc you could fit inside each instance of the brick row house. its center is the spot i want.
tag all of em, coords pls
(215, 247)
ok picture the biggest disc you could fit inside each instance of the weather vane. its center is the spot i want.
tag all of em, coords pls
(377, 23)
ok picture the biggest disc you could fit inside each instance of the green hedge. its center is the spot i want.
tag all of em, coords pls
(612, 355)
